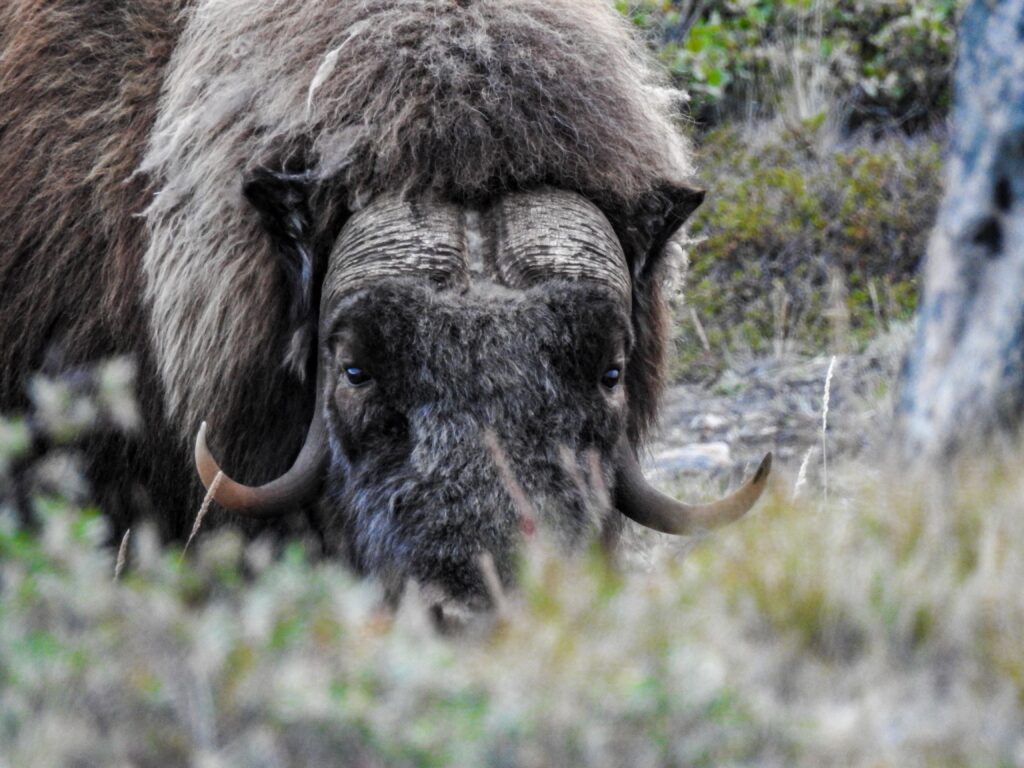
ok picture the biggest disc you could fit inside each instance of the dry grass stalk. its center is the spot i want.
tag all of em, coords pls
(522, 504)
(701, 333)
(122, 555)
(599, 489)
(592, 486)
(838, 311)
(485, 562)
(801, 475)
(780, 316)
(876, 305)
(203, 509)
(824, 426)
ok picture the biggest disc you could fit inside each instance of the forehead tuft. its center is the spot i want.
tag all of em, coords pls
(406, 319)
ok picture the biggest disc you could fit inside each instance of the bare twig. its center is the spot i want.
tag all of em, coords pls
(122, 555)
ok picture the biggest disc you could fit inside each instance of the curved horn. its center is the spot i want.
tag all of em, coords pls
(299, 484)
(637, 499)
(547, 233)
(390, 237)
(423, 239)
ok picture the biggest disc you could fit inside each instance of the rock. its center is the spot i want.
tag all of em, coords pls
(708, 422)
(779, 409)
(696, 457)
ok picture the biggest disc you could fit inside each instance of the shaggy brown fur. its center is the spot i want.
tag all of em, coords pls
(79, 83)
(467, 98)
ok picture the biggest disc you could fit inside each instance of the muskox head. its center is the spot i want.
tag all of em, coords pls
(475, 377)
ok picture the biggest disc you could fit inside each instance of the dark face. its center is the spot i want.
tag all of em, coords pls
(430, 392)
(477, 377)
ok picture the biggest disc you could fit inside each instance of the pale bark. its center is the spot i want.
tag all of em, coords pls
(964, 379)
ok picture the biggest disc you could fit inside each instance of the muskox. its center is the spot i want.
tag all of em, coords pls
(398, 261)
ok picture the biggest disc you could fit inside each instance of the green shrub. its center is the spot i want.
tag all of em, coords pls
(883, 61)
(803, 636)
(804, 247)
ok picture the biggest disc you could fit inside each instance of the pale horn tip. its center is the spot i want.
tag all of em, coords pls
(206, 465)
(763, 469)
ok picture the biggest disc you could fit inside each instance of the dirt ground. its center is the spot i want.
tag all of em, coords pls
(775, 404)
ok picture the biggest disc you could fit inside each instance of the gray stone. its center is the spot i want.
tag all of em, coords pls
(696, 457)
(708, 422)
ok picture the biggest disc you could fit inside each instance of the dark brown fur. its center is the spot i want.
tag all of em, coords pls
(126, 129)
(79, 83)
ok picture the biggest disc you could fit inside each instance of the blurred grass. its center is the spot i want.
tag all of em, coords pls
(884, 630)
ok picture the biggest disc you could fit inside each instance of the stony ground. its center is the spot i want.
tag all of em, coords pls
(775, 404)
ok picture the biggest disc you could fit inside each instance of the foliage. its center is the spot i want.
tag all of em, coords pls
(882, 61)
(803, 636)
(803, 246)
(41, 451)
(874, 630)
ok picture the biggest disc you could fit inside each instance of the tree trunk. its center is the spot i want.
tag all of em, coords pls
(964, 377)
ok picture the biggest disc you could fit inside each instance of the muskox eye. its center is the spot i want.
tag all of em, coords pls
(611, 378)
(356, 376)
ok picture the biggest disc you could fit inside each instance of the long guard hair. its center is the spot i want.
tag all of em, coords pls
(129, 132)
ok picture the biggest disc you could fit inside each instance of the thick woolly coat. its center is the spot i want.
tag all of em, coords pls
(127, 128)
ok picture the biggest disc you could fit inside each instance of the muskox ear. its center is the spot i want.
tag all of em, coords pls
(283, 201)
(654, 220)
(644, 232)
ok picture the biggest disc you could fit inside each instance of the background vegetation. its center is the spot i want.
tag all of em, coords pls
(853, 620)
(821, 127)
(804, 244)
(884, 62)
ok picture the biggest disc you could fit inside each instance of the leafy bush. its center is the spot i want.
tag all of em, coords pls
(802, 636)
(41, 450)
(806, 635)
(881, 61)
(804, 247)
